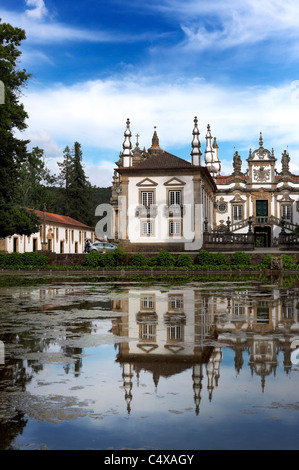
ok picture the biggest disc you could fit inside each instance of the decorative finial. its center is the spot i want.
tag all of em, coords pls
(155, 139)
(261, 140)
(211, 155)
(196, 152)
(127, 145)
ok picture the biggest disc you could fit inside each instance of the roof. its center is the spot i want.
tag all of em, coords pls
(166, 161)
(162, 160)
(61, 220)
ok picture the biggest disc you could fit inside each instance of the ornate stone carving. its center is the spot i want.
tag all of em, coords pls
(285, 161)
(237, 164)
(261, 174)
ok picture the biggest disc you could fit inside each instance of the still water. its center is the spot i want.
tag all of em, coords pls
(93, 363)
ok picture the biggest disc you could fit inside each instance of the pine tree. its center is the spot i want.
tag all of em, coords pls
(79, 189)
(64, 178)
(13, 151)
(76, 191)
(35, 181)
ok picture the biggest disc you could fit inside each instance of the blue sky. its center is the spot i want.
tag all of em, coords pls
(96, 63)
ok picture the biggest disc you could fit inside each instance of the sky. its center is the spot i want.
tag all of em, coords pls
(234, 65)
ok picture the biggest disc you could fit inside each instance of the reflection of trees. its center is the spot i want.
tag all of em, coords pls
(29, 339)
(9, 430)
(13, 380)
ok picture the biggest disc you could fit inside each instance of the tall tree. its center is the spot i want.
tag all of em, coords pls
(79, 189)
(64, 180)
(13, 151)
(76, 191)
(35, 181)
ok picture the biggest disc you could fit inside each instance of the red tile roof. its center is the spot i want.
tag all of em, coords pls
(162, 160)
(61, 220)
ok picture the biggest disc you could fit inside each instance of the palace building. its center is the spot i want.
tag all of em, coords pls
(162, 201)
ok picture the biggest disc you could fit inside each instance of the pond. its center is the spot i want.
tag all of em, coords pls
(149, 363)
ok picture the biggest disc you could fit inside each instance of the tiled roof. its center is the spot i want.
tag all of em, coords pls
(162, 160)
(61, 219)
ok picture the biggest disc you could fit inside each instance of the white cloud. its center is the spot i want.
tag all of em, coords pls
(41, 28)
(220, 24)
(39, 9)
(94, 113)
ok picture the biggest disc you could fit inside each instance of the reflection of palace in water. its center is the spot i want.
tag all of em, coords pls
(169, 332)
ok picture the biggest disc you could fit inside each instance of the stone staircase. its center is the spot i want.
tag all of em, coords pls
(261, 221)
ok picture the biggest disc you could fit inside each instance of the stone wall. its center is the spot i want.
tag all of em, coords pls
(128, 247)
(57, 259)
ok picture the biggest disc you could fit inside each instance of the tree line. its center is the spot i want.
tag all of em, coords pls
(25, 181)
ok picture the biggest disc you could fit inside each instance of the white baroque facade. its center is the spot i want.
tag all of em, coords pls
(161, 201)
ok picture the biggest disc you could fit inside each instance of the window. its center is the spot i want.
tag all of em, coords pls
(222, 207)
(147, 228)
(175, 227)
(237, 213)
(148, 332)
(174, 197)
(147, 198)
(286, 211)
(238, 309)
(175, 302)
(175, 333)
(147, 302)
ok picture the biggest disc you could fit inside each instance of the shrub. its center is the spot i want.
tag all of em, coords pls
(211, 259)
(92, 259)
(152, 261)
(204, 258)
(21, 260)
(3, 260)
(35, 259)
(219, 259)
(240, 258)
(120, 257)
(266, 263)
(184, 260)
(165, 259)
(14, 259)
(137, 259)
(107, 260)
(287, 261)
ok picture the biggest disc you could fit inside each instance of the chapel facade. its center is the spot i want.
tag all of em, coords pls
(162, 201)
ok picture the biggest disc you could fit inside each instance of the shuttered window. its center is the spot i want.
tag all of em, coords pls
(175, 197)
(147, 228)
(147, 198)
(175, 227)
(237, 213)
